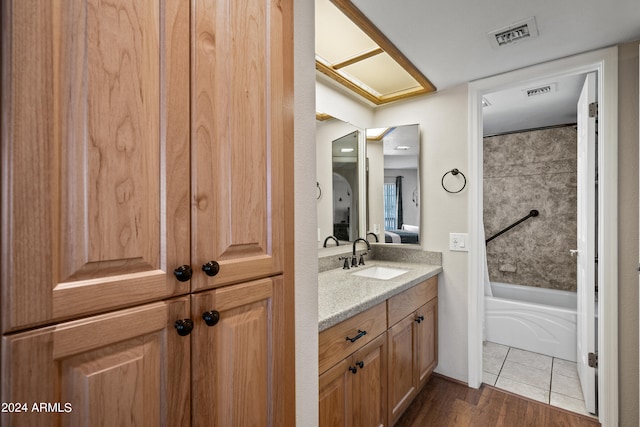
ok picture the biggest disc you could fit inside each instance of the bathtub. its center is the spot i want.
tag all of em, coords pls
(534, 319)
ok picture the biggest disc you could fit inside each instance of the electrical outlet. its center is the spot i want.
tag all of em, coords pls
(376, 228)
(458, 242)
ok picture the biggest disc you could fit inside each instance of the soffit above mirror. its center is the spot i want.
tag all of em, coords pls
(353, 52)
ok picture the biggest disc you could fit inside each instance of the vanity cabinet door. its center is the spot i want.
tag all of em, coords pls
(125, 368)
(402, 362)
(413, 355)
(426, 340)
(370, 384)
(336, 395)
(241, 124)
(95, 156)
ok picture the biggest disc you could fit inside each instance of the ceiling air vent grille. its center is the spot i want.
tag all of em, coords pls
(540, 90)
(514, 33)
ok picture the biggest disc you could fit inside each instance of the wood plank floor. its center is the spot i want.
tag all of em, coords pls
(443, 402)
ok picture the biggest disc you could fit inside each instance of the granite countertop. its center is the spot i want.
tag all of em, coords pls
(342, 295)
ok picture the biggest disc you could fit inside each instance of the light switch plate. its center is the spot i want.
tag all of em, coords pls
(458, 242)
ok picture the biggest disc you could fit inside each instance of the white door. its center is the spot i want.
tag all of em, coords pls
(586, 241)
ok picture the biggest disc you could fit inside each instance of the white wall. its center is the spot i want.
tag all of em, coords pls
(306, 265)
(628, 118)
(337, 103)
(443, 131)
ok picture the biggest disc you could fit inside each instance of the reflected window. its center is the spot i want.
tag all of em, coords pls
(390, 207)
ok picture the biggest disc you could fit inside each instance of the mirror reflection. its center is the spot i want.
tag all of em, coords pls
(340, 176)
(345, 187)
(394, 184)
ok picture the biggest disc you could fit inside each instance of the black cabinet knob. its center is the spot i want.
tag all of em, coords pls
(353, 369)
(211, 268)
(419, 319)
(184, 326)
(360, 364)
(211, 317)
(183, 273)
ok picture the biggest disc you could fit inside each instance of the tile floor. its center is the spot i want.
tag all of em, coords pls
(536, 376)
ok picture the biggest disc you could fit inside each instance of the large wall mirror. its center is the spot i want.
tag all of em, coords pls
(393, 213)
(368, 183)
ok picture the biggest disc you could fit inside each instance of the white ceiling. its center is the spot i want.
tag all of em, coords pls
(512, 110)
(448, 42)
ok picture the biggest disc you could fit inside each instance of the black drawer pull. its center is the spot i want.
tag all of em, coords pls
(357, 337)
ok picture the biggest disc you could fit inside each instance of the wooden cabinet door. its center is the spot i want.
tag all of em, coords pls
(402, 384)
(370, 384)
(427, 341)
(237, 363)
(95, 156)
(126, 368)
(336, 391)
(241, 125)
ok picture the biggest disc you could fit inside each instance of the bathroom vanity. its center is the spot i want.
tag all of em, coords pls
(378, 338)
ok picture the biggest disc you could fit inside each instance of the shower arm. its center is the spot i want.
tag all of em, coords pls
(531, 215)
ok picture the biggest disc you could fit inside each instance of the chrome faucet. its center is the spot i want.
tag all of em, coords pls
(354, 261)
(332, 238)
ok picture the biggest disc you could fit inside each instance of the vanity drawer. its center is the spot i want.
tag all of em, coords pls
(341, 340)
(410, 300)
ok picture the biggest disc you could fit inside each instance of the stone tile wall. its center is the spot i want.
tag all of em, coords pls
(525, 171)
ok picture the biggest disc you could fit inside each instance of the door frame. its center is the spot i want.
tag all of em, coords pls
(605, 63)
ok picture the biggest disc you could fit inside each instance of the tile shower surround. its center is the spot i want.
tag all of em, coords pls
(524, 171)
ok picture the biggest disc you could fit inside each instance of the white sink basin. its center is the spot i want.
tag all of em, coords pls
(381, 273)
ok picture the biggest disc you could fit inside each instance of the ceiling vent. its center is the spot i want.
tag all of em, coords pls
(514, 33)
(540, 90)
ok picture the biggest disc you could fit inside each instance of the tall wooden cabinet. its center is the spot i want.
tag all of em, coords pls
(145, 183)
